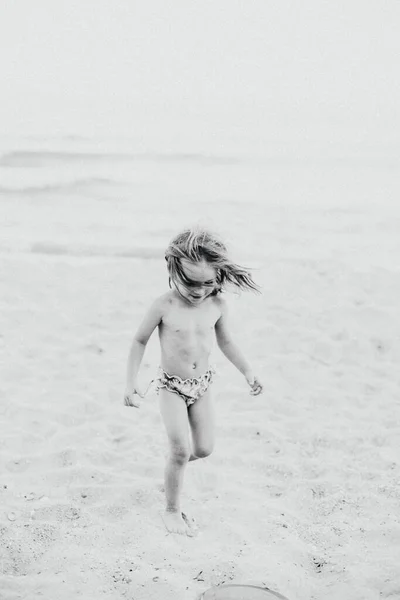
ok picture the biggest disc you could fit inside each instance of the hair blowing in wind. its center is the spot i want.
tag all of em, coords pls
(198, 245)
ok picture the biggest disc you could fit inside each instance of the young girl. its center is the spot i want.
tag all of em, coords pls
(188, 317)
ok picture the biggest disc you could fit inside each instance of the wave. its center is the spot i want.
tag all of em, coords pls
(39, 158)
(274, 157)
(36, 158)
(75, 185)
(53, 249)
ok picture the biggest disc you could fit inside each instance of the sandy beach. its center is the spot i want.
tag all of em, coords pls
(302, 491)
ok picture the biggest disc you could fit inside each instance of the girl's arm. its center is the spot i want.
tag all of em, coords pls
(228, 346)
(150, 321)
(232, 351)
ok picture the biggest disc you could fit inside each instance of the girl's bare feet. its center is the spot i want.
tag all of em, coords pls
(177, 522)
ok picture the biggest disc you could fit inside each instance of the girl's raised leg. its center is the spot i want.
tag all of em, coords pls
(202, 425)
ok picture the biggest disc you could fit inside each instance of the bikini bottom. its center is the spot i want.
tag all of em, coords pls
(189, 389)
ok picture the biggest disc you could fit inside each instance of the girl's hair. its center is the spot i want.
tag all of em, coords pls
(196, 245)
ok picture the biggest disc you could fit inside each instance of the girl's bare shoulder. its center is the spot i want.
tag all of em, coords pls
(221, 303)
(165, 301)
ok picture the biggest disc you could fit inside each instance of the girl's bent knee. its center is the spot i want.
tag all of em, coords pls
(203, 452)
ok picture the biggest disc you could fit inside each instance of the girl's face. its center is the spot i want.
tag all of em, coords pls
(200, 281)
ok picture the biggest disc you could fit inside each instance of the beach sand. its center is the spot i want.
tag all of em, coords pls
(302, 491)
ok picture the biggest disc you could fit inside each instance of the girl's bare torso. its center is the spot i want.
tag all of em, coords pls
(187, 335)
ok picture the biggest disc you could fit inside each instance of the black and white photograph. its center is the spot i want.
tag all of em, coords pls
(199, 300)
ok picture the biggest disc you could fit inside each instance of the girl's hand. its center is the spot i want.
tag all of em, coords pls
(129, 396)
(255, 384)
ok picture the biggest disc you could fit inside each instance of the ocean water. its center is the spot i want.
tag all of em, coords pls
(88, 197)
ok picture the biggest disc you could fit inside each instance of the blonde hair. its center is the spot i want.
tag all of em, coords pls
(197, 245)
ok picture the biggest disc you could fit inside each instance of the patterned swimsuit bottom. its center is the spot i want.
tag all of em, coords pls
(189, 389)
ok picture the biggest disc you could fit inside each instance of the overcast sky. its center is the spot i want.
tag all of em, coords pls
(69, 66)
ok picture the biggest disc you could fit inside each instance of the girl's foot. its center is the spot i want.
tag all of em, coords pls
(177, 522)
(190, 524)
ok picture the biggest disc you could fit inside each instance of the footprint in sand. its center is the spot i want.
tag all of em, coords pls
(18, 465)
(326, 352)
